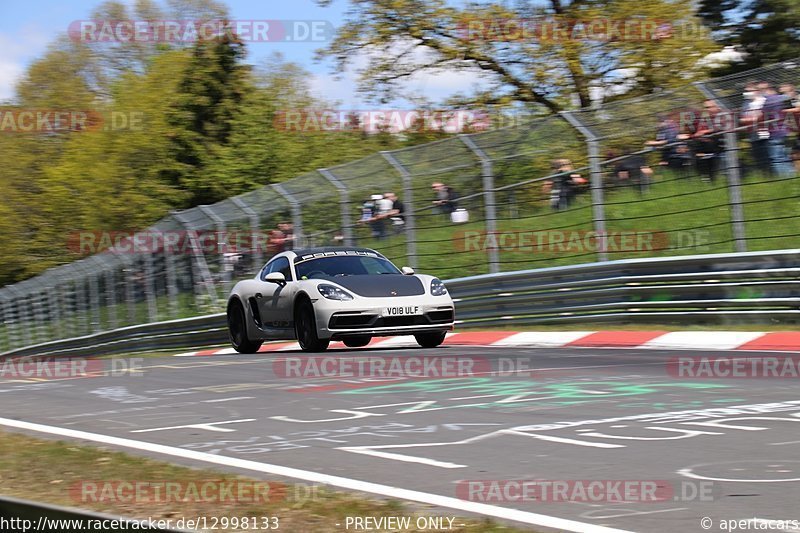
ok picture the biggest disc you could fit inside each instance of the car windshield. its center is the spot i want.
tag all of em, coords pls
(330, 267)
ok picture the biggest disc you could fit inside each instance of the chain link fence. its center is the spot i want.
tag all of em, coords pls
(657, 175)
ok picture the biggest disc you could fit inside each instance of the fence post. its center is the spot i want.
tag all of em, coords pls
(5, 338)
(111, 298)
(14, 333)
(488, 200)
(408, 201)
(94, 302)
(33, 315)
(149, 288)
(344, 204)
(22, 338)
(82, 305)
(732, 171)
(199, 263)
(38, 319)
(596, 181)
(172, 284)
(65, 317)
(222, 245)
(13, 320)
(130, 292)
(255, 225)
(19, 325)
(297, 214)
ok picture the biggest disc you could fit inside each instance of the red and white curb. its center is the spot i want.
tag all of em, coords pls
(662, 340)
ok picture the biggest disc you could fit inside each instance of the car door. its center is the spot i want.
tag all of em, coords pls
(275, 304)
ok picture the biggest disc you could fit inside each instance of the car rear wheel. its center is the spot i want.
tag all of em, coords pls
(237, 330)
(305, 325)
(430, 340)
(356, 342)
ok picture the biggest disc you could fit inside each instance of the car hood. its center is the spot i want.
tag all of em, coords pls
(382, 285)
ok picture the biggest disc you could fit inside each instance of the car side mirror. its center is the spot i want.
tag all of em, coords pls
(407, 271)
(275, 277)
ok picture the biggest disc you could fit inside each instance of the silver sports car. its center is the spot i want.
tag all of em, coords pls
(318, 295)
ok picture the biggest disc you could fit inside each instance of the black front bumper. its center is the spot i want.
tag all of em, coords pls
(366, 321)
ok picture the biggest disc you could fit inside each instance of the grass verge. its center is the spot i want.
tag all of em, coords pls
(48, 471)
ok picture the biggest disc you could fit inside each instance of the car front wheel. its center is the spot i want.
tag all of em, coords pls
(305, 325)
(430, 340)
(237, 330)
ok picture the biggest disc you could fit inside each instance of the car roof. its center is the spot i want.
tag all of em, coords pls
(323, 249)
(292, 255)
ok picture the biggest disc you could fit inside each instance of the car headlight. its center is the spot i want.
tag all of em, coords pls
(437, 287)
(334, 293)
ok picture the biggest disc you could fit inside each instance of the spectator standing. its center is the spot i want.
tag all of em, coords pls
(635, 171)
(384, 206)
(287, 228)
(705, 141)
(446, 198)
(793, 116)
(230, 259)
(565, 186)
(367, 210)
(775, 108)
(276, 242)
(371, 214)
(667, 139)
(396, 213)
(759, 135)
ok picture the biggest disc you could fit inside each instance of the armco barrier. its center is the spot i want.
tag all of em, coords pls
(756, 287)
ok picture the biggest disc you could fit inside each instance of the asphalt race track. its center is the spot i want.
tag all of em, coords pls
(575, 415)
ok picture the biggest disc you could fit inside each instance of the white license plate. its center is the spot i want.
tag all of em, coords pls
(402, 311)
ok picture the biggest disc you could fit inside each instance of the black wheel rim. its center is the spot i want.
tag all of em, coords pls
(304, 325)
(237, 326)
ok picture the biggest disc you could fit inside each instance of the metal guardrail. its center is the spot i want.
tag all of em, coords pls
(24, 515)
(756, 287)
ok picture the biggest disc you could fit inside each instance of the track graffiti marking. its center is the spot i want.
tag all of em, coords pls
(306, 439)
(208, 426)
(121, 395)
(488, 393)
(612, 433)
(671, 405)
(746, 471)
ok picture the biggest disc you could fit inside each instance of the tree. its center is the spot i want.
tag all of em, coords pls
(263, 148)
(211, 92)
(768, 31)
(553, 59)
(62, 79)
(115, 179)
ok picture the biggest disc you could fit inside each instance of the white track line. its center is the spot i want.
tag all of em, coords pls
(315, 477)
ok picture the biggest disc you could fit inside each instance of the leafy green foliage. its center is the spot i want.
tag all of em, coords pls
(768, 31)
(181, 125)
(515, 50)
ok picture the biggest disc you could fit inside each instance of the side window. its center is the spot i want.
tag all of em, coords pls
(267, 269)
(282, 265)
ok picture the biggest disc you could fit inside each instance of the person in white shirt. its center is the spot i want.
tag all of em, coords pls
(759, 133)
